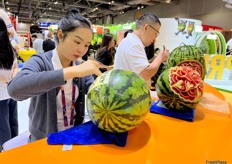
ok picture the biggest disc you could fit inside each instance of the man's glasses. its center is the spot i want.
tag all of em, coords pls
(157, 32)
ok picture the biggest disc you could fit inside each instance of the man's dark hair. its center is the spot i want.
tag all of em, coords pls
(147, 19)
(34, 36)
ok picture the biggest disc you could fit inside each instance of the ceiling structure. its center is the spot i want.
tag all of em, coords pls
(30, 11)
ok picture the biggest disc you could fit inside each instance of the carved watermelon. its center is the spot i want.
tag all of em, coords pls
(190, 56)
(118, 100)
(179, 88)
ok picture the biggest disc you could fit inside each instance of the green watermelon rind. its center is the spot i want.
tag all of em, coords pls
(114, 113)
(170, 99)
(162, 67)
(174, 60)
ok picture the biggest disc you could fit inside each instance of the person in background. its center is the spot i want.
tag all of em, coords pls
(13, 41)
(105, 54)
(33, 38)
(9, 25)
(48, 44)
(114, 49)
(150, 51)
(58, 80)
(131, 54)
(115, 43)
(8, 69)
(13, 36)
(228, 50)
(87, 54)
(126, 32)
(37, 44)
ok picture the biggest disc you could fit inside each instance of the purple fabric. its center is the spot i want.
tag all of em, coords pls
(87, 134)
(159, 109)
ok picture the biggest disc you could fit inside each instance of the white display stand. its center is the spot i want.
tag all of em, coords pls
(175, 31)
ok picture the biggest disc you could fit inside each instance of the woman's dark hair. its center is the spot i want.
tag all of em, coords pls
(106, 40)
(72, 20)
(105, 43)
(7, 54)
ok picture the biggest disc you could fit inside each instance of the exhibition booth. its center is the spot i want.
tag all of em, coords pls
(160, 138)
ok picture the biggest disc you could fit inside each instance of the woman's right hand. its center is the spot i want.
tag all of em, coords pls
(110, 67)
(87, 68)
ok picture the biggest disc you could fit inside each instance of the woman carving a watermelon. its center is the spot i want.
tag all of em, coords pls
(130, 54)
(55, 81)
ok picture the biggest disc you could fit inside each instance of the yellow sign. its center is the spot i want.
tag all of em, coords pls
(217, 65)
(26, 54)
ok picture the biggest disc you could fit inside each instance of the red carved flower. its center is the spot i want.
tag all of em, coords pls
(186, 83)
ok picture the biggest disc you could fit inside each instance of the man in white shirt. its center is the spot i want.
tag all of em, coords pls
(130, 53)
(37, 44)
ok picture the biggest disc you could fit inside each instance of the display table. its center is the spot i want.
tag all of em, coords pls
(26, 54)
(158, 140)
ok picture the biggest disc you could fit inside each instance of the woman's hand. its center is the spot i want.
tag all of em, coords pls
(110, 67)
(87, 68)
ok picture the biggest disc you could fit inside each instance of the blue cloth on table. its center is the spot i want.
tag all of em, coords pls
(159, 108)
(87, 134)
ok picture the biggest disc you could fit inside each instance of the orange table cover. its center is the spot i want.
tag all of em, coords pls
(158, 140)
